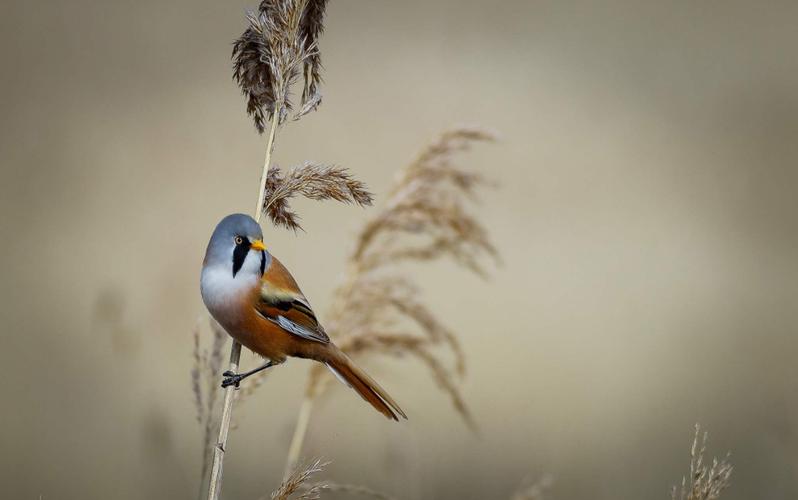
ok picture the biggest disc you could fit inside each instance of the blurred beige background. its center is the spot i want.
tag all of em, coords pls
(647, 216)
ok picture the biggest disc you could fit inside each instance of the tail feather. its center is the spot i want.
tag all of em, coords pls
(347, 372)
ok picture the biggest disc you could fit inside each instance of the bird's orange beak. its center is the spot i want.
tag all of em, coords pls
(257, 245)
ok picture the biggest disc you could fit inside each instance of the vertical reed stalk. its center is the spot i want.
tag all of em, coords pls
(267, 161)
(298, 439)
(215, 484)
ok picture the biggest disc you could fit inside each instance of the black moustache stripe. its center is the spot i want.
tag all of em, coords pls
(262, 262)
(239, 254)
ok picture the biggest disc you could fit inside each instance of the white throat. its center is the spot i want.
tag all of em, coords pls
(221, 290)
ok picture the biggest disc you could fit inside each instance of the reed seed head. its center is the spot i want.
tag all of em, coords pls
(314, 181)
(706, 482)
(279, 46)
(378, 309)
(294, 483)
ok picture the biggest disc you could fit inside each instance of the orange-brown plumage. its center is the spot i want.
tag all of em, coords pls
(268, 313)
(252, 328)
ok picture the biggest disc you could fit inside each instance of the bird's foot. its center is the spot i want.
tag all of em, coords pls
(231, 378)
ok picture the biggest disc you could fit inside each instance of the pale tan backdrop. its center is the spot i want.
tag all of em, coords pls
(647, 216)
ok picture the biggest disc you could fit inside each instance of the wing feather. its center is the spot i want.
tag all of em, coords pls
(281, 302)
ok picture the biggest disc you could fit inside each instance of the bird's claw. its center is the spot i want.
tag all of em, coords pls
(231, 378)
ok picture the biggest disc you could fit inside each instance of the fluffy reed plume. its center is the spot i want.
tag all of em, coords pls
(534, 490)
(705, 482)
(205, 384)
(279, 46)
(314, 181)
(427, 201)
(296, 483)
(378, 309)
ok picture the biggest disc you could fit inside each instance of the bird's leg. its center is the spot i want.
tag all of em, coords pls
(235, 379)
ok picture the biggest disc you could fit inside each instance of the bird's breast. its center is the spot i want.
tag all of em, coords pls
(225, 295)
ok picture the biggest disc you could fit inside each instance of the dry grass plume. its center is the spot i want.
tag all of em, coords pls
(295, 484)
(313, 181)
(378, 309)
(279, 45)
(705, 482)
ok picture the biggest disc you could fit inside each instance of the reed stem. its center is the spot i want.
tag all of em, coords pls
(267, 161)
(298, 439)
(215, 484)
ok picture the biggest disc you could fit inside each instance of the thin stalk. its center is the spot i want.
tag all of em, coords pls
(215, 485)
(303, 418)
(300, 431)
(267, 160)
(209, 428)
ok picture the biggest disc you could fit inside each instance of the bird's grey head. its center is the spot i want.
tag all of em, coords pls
(236, 246)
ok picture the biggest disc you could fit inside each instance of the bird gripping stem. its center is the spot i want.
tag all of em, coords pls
(215, 485)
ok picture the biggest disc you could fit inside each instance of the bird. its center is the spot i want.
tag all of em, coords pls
(257, 301)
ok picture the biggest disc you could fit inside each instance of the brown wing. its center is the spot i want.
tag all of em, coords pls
(281, 302)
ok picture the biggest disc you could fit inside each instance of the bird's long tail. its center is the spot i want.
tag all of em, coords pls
(350, 374)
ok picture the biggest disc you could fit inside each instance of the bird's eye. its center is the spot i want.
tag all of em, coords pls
(239, 240)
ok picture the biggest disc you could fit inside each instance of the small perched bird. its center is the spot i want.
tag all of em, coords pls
(254, 297)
